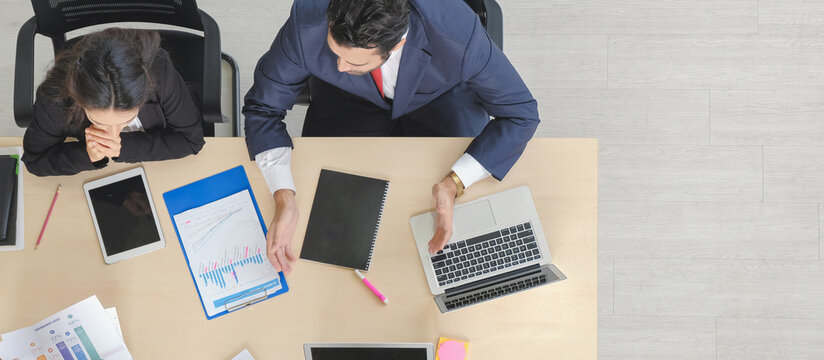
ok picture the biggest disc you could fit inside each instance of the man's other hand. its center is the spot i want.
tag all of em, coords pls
(279, 237)
(444, 193)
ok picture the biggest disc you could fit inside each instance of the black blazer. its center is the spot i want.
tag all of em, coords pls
(170, 118)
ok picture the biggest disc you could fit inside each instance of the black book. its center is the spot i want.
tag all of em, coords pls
(343, 224)
(8, 203)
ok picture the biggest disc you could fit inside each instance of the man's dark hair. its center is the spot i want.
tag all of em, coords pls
(368, 24)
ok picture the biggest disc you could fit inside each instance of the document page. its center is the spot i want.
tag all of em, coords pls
(83, 331)
(226, 249)
(244, 355)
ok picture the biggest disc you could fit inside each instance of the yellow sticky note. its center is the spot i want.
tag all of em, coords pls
(450, 349)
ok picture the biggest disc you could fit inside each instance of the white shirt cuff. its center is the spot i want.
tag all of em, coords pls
(276, 166)
(469, 170)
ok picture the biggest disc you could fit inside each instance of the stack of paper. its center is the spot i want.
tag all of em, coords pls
(83, 331)
(11, 199)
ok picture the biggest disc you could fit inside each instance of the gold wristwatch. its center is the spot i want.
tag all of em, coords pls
(458, 183)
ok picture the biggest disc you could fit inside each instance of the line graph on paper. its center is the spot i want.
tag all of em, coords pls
(226, 247)
(206, 227)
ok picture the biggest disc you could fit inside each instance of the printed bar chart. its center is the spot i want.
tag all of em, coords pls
(83, 331)
(64, 350)
(87, 343)
(219, 273)
(225, 247)
(78, 351)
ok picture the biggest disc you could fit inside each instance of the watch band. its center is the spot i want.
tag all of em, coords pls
(458, 183)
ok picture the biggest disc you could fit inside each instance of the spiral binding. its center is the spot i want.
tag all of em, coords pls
(377, 225)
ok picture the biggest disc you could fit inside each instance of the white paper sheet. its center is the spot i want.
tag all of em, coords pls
(82, 331)
(244, 355)
(226, 249)
(112, 313)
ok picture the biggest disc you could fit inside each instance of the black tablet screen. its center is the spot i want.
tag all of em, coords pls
(124, 215)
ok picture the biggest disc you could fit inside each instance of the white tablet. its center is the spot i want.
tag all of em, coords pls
(124, 215)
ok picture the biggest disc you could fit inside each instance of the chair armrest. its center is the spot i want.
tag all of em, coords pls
(495, 22)
(211, 70)
(24, 74)
(235, 92)
(304, 96)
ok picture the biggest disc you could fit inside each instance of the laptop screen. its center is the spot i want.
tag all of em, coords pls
(367, 353)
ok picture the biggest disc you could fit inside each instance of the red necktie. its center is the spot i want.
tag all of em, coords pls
(378, 77)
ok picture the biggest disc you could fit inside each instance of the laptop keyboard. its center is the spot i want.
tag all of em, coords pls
(483, 254)
(502, 290)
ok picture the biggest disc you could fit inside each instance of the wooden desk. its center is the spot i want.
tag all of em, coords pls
(160, 312)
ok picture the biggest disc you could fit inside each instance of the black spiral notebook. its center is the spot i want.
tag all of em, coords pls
(344, 221)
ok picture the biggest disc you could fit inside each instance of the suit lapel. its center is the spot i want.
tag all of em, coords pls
(365, 86)
(414, 61)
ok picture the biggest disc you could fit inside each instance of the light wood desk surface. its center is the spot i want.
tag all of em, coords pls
(161, 315)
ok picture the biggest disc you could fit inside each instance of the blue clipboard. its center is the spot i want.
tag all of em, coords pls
(205, 191)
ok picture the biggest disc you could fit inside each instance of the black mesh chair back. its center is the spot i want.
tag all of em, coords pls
(57, 17)
(196, 57)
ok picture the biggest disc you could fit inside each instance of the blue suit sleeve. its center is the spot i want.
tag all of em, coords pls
(505, 97)
(279, 76)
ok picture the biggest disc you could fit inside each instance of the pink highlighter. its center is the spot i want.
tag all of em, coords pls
(373, 288)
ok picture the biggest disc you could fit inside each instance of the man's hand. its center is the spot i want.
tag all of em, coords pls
(279, 237)
(107, 144)
(444, 193)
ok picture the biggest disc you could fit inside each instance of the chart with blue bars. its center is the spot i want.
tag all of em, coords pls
(227, 271)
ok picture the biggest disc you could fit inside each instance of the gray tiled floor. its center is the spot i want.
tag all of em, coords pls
(680, 173)
(786, 117)
(770, 338)
(655, 338)
(709, 115)
(794, 174)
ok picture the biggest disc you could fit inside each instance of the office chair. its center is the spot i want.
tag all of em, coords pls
(491, 17)
(196, 57)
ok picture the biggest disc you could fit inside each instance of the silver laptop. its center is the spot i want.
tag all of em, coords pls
(369, 351)
(497, 248)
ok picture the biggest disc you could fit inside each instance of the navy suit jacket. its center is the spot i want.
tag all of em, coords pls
(451, 75)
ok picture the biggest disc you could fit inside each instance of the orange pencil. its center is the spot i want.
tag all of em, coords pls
(43, 229)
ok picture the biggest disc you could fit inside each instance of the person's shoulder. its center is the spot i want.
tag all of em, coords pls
(451, 19)
(162, 62)
(163, 71)
(50, 104)
(51, 114)
(308, 13)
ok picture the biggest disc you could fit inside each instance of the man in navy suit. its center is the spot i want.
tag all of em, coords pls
(387, 68)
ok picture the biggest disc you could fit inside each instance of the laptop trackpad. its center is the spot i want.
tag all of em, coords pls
(472, 218)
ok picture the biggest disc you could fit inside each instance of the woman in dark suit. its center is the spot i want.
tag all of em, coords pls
(117, 93)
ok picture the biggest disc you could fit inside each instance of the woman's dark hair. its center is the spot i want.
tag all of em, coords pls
(368, 24)
(105, 69)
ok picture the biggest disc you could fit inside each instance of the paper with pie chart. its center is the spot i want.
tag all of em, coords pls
(225, 247)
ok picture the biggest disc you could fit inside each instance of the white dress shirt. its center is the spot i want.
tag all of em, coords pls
(276, 164)
(389, 72)
(134, 125)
